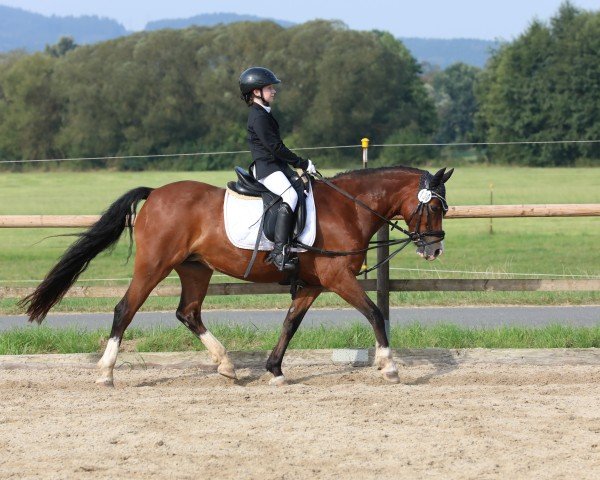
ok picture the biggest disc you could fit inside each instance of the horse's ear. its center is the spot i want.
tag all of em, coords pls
(447, 175)
(437, 178)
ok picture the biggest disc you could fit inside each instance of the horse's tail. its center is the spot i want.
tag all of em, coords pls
(100, 236)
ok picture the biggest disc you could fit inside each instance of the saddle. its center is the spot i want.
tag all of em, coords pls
(247, 185)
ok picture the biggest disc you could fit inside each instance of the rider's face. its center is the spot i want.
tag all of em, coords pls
(268, 93)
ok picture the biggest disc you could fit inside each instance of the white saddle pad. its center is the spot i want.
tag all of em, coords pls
(242, 219)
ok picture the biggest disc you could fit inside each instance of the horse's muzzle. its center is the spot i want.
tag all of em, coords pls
(431, 252)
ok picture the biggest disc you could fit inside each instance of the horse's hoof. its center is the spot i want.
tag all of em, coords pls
(279, 381)
(391, 377)
(227, 370)
(105, 382)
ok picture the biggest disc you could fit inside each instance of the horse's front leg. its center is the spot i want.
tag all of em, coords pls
(347, 287)
(305, 298)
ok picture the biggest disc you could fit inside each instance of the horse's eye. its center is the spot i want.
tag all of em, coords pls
(435, 209)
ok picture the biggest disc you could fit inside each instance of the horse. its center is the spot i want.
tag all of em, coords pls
(181, 227)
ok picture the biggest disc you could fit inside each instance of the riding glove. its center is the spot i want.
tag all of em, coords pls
(311, 167)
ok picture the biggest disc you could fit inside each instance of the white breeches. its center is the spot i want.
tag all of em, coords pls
(278, 183)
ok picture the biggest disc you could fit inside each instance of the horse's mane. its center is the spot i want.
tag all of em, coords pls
(369, 171)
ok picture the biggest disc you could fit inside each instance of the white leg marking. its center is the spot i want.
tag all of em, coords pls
(107, 362)
(278, 381)
(219, 354)
(382, 355)
(385, 362)
(384, 352)
(215, 348)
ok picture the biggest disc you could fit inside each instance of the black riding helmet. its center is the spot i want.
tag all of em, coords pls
(256, 77)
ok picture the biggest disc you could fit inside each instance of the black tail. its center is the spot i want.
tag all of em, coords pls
(102, 235)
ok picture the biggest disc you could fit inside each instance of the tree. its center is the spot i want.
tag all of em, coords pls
(544, 87)
(64, 45)
(454, 93)
(410, 111)
(29, 111)
(173, 91)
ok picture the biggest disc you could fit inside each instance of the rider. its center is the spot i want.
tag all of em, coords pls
(271, 157)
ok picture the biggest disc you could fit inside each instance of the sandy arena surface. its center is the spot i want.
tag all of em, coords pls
(461, 421)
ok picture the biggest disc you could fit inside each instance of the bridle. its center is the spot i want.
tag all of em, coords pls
(417, 237)
(424, 196)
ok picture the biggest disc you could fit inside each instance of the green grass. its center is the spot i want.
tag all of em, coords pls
(555, 246)
(48, 340)
(328, 300)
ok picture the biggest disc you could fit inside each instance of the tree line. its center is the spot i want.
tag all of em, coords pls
(175, 91)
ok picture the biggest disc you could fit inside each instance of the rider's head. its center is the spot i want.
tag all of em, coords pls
(257, 82)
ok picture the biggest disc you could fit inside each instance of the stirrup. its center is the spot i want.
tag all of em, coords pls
(281, 260)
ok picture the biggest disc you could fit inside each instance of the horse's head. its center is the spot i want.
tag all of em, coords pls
(424, 211)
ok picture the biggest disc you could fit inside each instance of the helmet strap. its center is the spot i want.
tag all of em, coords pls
(266, 104)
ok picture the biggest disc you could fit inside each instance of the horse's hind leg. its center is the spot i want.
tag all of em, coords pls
(350, 290)
(145, 278)
(298, 309)
(195, 278)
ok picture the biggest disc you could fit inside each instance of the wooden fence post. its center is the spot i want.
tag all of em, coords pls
(383, 278)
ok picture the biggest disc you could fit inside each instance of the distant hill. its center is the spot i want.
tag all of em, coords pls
(20, 29)
(211, 19)
(444, 52)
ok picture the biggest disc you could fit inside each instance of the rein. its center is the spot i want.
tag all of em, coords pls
(416, 236)
(376, 244)
(394, 225)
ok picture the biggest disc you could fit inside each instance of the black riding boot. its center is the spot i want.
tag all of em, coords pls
(280, 254)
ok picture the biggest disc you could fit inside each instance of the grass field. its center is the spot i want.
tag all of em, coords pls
(547, 246)
(49, 340)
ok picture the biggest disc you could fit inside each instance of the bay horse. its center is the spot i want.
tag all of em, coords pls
(181, 227)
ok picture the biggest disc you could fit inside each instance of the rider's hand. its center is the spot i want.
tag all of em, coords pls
(311, 169)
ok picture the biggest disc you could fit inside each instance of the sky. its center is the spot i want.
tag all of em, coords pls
(485, 19)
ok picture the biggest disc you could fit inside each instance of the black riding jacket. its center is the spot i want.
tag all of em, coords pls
(268, 151)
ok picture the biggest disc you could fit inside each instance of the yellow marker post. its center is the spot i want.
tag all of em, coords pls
(365, 158)
(365, 146)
